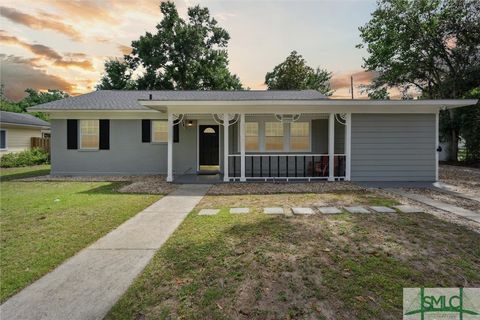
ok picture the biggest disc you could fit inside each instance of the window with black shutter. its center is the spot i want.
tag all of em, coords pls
(104, 143)
(146, 131)
(72, 134)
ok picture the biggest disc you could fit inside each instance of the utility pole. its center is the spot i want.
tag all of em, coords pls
(351, 85)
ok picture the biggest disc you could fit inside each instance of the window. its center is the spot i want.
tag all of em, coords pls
(159, 131)
(273, 136)
(251, 136)
(299, 136)
(3, 139)
(89, 134)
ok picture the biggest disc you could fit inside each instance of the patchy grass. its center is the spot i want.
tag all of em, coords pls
(7, 174)
(256, 266)
(44, 223)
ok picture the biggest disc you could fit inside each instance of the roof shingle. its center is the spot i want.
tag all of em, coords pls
(128, 100)
(22, 118)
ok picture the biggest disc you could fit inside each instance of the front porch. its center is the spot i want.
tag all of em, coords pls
(258, 147)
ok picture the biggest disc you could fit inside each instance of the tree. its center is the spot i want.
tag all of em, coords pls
(33, 98)
(295, 74)
(378, 93)
(432, 46)
(117, 76)
(183, 55)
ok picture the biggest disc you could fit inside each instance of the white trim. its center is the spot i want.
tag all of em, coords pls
(80, 136)
(331, 146)
(225, 147)
(320, 102)
(242, 147)
(6, 145)
(170, 148)
(436, 144)
(348, 147)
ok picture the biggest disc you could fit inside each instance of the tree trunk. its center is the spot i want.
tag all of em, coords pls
(454, 140)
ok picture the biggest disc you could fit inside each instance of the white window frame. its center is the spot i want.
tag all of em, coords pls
(152, 133)
(309, 136)
(258, 137)
(6, 145)
(284, 136)
(80, 135)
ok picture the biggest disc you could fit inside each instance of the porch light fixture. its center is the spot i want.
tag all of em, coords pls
(189, 123)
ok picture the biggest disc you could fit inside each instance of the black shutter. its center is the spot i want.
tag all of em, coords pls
(146, 131)
(72, 134)
(176, 133)
(104, 135)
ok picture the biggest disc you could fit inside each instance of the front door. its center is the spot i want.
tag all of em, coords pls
(208, 142)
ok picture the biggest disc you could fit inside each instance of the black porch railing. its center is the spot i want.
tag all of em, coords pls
(287, 166)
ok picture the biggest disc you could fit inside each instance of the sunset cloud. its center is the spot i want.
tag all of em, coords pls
(359, 78)
(39, 23)
(17, 75)
(125, 50)
(85, 10)
(47, 53)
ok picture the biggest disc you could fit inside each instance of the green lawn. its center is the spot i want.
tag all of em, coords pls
(44, 223)
(256, 266)
(8, 174)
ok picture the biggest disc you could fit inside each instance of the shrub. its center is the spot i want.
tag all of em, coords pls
(24, 158)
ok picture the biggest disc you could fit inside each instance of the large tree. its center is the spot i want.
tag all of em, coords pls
(183, 54)
(295, 74)
(117, 76)
(431, 46)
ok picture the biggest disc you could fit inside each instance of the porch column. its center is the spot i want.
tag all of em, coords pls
(348, 146)
(225, 147)
(242, 147)
(331, 146)
(170, 148)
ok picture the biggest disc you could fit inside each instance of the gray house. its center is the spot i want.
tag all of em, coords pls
(245, 135)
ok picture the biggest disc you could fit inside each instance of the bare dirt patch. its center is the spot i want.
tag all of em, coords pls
(466, 178)
(236, 188)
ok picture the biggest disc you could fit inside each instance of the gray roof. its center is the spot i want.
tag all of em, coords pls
(22, 118)
(128, 100)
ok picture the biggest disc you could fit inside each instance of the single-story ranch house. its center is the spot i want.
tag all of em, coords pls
(17, 129)
(245, 135)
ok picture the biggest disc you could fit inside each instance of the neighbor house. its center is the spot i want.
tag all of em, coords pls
(17, 130)
(245, 135)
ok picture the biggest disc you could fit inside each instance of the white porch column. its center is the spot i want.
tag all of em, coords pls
(242, 147)
(225, 147)
(331, 146)
(348, 146)
(170, 148)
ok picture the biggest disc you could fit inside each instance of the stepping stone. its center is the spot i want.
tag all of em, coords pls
(356, 210)
(329, 210)
(273, 210)
(303, 211)
(409, 209)
(382, 209)
(208, 212)
(239, 210)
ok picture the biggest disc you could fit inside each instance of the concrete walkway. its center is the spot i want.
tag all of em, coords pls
(87, 285)
(468, 214)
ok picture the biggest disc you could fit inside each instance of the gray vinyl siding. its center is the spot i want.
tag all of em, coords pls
(393, 147)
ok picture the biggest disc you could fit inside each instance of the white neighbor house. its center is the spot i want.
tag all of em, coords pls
(245, 135)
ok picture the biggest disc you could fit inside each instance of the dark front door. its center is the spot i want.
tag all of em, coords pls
(208, 145)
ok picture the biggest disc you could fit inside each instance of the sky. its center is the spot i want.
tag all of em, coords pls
(62, 44)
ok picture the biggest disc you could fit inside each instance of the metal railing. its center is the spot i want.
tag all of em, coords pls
(286, 166)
